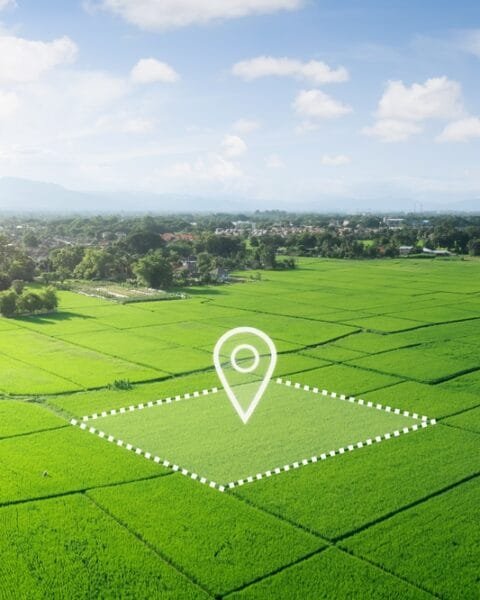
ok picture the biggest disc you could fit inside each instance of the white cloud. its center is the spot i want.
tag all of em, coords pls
(9, 104)
(469, 41)
(23, 60)
(437, 98)
(316, 104)
(402, 110)
(390, 130)
(7, 3)
(158, 15)
(87, 91)
(264, 66)
(461, 130)
(124, 124)
(337, 160)
(274, 162)
(151, 70)
(233, 146)
(245, 126)
(213, 168)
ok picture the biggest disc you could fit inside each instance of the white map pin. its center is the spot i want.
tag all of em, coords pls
(245, 414)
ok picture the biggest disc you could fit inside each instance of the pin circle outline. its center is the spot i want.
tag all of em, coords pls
(256, 358)
(245, 414)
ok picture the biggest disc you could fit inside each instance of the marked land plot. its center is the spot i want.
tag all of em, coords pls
(201, 436)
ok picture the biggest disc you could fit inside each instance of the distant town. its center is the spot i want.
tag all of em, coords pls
(176, 251)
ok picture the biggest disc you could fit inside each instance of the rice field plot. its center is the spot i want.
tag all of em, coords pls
(354, 524)
(69, 548)
(142, 350)
(373, 343)
(336, 498)
(437, 314)
(73, 300)
(469, 420)
(333, 352)
(203, 435)
(61, 323)
(428, 363)
(385, 323)
(58, 461)
(124, 316)
(80, 366)
(220, 542)
(465, 383)
(346, 379)
(448, 547)
(23, 379)
(297, 331)
(195, 308)
(88, 402)
(434, 400)
(331, 574)
(18, 417)
(190, 334)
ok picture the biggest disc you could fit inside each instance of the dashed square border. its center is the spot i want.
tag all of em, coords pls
(422, 422)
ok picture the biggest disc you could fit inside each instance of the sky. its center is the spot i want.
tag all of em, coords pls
(280, 103)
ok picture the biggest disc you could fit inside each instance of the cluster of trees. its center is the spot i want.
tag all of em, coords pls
(329, 245)
(456, 234)
(133, 249)
(15, 264)
(144, 256)
(18, 301)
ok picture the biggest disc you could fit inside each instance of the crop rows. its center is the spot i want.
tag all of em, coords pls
(84, 518)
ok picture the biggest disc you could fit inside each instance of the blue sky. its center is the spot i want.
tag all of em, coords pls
(288, 103)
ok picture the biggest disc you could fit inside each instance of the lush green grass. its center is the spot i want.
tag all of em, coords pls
(404, 333)
(448, 547)
(17, 418)
(428, 363)
(219, 541)
(469, 420)
(59, 461)
(339, 496)
(332, 574)
(288, 425)
(434, 401)
(79, 366)
(69, 548)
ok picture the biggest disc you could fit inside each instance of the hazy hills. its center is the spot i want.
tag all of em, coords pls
(27, 196)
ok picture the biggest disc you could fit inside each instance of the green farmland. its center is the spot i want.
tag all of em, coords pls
(86, 517)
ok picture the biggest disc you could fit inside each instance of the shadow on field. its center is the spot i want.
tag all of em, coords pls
(205, 291)
(50, 318)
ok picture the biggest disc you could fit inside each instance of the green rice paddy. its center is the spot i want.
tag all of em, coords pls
(85, 518)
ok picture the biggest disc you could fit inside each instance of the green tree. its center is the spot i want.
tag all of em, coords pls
(474, 247)
(8, 303)
(22, 267)
(141, 242)
(154, 270)
(5, 281)
(49, 298)
(30, 240)
(29, 302)
(64, 260)
(102, 264)
(268, 256)
(18, 286)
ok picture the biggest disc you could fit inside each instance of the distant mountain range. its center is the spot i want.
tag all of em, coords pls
(27, 196)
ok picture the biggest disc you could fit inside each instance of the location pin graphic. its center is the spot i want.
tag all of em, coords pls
(240, 332)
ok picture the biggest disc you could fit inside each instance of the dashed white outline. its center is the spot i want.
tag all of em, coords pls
(424, 422)
(151, 404)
